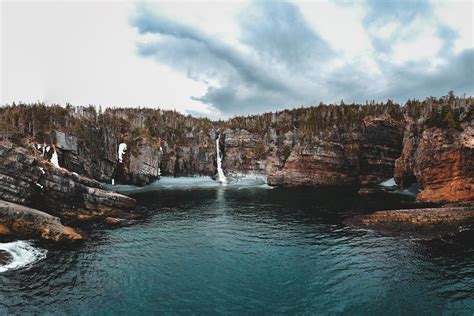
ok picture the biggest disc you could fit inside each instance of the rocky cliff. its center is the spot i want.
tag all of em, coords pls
(344, 158)
(30, 181)
(438, 150)
(325, 145)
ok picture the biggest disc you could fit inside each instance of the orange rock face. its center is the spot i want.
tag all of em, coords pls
(25, 222)
(440, 160)
(325, 164)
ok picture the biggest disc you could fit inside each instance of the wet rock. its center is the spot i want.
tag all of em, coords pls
(24, 222)
(114, 221)
(5, 258)
(429, 222)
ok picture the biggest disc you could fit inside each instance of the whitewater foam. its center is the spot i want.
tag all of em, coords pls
(23, 254)
(54, 159)
(234, 181)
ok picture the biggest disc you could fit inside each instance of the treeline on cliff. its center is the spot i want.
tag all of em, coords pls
(39, 121)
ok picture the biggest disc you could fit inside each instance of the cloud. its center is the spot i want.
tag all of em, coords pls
(287, 54)
(278, 33)
(457, 74)
(240, 82)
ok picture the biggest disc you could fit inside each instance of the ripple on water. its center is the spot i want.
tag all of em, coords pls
(246, 251)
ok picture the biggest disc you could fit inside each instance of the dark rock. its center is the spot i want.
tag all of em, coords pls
(35, 183)
(421, 221)
(5, 258)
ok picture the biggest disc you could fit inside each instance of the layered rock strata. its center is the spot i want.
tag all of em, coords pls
(30, 181)
(336, 158)
(438, 152)
(424, 221)
(95, 155)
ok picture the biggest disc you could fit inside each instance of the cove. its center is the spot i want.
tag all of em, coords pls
(246, 249)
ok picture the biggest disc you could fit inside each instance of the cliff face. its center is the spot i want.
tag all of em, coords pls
(438, 151)
(29, 181)
(324, 145)
(336, 145)
(337, 158)
(94, 154)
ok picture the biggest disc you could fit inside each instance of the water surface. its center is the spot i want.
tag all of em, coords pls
(246, 250)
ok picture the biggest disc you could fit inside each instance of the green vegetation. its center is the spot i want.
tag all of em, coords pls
(38, 121)
(445, 112)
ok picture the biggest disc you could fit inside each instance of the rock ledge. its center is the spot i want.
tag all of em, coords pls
(24, 222)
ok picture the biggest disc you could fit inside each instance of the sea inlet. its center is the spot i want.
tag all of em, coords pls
(244, 248)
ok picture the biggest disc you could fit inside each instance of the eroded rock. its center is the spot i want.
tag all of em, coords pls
(420, 221)
(338, 158)
(439, 156)
(24, 222)
(29, 181)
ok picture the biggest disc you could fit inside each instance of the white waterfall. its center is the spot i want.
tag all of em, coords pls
(221, 177)
(54, 158)
(121, 151)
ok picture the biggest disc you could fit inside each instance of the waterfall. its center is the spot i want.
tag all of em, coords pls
(121, 151)
(54, 158)
(221, 177)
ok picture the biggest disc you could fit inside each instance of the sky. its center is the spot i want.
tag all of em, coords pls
(220, 59)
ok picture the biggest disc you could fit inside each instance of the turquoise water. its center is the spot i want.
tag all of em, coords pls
(246, 250)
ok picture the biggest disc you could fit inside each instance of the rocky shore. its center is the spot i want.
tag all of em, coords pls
(24, 222)
(35, 196)
(424, 222)
(427, 144)
(438, 158)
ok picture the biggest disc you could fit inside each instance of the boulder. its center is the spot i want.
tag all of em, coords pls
(24, 222)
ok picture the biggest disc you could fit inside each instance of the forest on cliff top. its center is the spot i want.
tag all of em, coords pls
(39, 121)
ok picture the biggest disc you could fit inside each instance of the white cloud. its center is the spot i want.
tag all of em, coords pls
(341, 25)
(417, 41)
(459, 16)
(384, 31)
(217, 19)
(84, 53)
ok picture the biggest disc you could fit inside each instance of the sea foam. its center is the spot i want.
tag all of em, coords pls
(23, 254)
